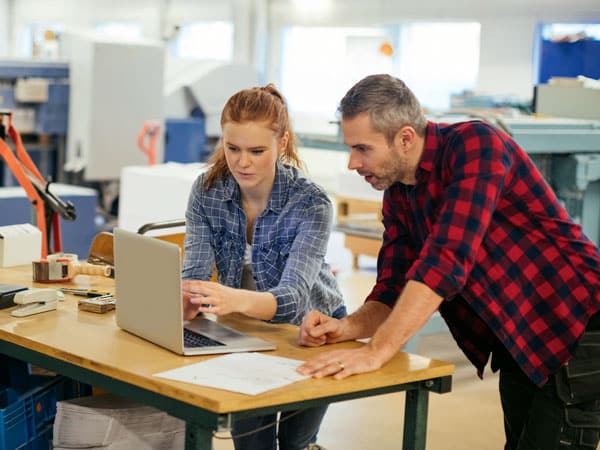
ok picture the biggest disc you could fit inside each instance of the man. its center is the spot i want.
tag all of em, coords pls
(471, 229)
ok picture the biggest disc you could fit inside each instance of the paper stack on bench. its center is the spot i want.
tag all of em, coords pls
(109, 422)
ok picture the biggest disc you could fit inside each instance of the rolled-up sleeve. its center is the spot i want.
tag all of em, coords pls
(304, 262)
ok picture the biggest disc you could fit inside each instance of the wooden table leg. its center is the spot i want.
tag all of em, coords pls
(360, 245)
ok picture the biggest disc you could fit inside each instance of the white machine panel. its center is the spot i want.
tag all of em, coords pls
(115, 88)
(155, 193)
(207, 84)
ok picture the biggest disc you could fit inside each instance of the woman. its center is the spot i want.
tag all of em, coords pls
(265, 228)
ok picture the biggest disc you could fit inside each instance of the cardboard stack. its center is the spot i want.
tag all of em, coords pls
(109, 422)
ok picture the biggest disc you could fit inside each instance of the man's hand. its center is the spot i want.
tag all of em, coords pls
(343, 363)
(390, 331)
(318, 329)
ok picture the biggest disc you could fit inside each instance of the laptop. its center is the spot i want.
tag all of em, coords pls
(149, 305)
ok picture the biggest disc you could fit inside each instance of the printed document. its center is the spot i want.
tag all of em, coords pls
(248, 373)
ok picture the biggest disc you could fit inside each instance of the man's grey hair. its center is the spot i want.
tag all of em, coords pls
(389, 103)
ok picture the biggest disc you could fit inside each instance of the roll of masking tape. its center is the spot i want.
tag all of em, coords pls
(70, 257)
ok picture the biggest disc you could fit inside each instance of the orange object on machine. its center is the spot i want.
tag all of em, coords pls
(150, 130)
(37, 189)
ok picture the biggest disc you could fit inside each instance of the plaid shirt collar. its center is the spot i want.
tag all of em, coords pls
(279, 192)
(430, 146)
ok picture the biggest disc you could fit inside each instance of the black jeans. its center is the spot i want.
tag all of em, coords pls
(534, 417)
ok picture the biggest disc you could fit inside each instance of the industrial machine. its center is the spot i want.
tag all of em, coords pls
(115, 88)
(195, 93)
(48, 207)
(567, 151)
(37, 94)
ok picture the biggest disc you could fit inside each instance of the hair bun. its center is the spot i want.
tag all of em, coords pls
(271, 89)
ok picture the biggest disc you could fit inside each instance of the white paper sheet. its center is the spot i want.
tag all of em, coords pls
(248, 373)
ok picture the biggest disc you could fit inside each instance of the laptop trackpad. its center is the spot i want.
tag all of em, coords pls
(213, 329)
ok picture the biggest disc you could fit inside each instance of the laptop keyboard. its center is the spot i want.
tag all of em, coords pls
(193, 339)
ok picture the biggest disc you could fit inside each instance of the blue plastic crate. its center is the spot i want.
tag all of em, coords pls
(41, 408)
(14, 429)
(42, 441)
(27, 414)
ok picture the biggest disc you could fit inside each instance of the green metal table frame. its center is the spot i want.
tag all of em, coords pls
(201, 423)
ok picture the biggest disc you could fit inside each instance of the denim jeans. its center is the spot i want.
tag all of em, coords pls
(293, 433)
(296, 429)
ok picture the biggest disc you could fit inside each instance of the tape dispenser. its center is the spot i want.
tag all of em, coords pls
(63, 267)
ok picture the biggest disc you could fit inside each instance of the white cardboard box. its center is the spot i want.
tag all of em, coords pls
(19, 244)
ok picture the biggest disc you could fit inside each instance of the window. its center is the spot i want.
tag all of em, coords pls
(204, 40)
(438, 60)
(570, 31)
(39, 40)
(120, 30)
(319, 64)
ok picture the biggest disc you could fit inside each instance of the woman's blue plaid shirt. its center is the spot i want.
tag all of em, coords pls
(288, 250)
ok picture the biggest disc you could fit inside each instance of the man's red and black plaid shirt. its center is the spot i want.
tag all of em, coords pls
(484, 230)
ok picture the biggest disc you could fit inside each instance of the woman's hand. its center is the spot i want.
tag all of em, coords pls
(209, 297)
(190, 299)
